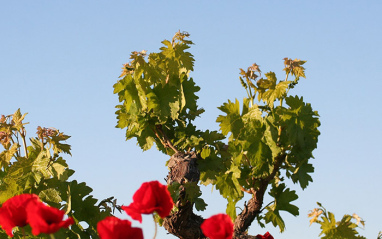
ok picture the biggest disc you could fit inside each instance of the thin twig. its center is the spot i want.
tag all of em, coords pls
(266, 206)
(23, 133)
(167, 140)
(156, 227)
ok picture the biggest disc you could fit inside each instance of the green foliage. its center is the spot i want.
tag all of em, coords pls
(269, 90)
(192, 194)
(158, 96)
(42, 171)
(300, 123)
(283, 196)
(332, 229)
(266, 140)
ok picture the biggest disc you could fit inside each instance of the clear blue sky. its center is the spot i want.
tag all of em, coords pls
(60, 59)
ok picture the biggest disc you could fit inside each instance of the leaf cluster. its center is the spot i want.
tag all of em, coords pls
(192, 194)
(43, 171)
(158, 101)
(266, 141)
(332, 229)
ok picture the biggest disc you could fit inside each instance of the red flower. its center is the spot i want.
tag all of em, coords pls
(219, 226)
(13, 212)
(115, 228)
(267, 235)
(150, 197)
(46, 219)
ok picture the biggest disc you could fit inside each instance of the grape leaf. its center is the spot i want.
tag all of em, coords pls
(6, 155)
(228, 186)
(193, 194)
(205, 152)
(301, 174)
(269, 91)
(231, 208)
(283, 196)
(232, 122)
(200, 204)
(189, 89)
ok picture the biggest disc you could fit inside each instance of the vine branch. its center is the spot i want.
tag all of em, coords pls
(165, 141)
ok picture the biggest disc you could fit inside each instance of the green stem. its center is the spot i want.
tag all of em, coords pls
(156, 227)
(281, 104)
(52, 236)
(23, 133)
(13, 142)
(250, 92)
(281, 100)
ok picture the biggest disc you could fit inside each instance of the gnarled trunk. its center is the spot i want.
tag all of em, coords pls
(184, 223)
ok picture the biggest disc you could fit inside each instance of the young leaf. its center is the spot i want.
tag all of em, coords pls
(232, 121)
(269, 91)
(205, 152)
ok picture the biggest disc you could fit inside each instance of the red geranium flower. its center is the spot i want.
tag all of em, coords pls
(267, 235)
(13, 212)
(219, 226)
(115, 228)
(150, 197)
(46, 219)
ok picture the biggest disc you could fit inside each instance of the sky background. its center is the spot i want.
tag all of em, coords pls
(60, 59)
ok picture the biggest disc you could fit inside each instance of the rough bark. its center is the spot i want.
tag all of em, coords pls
(184, 223)
(254, 206)
(251, 210)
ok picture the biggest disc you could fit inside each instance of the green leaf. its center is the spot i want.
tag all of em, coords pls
(274, 217)
(231, 208)
(129, 94)
(229, 186)
(51, 196)
(6, 155)
(189, 89)
(300, 133)
(174, 189)
(17, 119)
(205, 152)
(210, 168)
(300, 123)
(260, 156)
(271, 136)
(59, 147)
(60, 169)
(146, 139)
(344, 229)
(283, 196)
(9, 190)
(192, 190)
(269, 91)
(200, 204)
(301, 174)
(232, 122)
(168, 103)
(185, 59)
(28, 172)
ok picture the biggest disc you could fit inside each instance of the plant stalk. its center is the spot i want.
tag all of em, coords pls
(156, 228)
